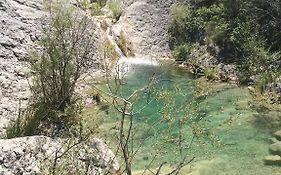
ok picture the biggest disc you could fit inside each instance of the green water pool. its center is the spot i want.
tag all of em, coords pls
(227, 141)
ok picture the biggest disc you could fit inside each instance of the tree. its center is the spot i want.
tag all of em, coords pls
(129, 139)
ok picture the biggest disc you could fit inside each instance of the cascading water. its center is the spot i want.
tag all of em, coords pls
(125, 64)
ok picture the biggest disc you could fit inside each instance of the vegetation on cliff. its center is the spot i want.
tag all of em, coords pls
(244, 33)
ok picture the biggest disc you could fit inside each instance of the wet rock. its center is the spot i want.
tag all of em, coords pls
(275, 148)
(277, 135)
(272, 160)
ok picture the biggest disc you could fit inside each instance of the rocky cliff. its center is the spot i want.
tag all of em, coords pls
(18, 23)
(145, 23)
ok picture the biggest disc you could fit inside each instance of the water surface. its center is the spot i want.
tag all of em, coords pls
(227, 142)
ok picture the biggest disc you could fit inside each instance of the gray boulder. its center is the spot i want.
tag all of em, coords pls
(36, 155)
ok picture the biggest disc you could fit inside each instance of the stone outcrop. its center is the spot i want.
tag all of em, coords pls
(277, 135)
(275, 150)
(145, 23)
(36, 155)
(18, 19)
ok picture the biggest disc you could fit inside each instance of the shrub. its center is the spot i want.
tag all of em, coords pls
(115, 8)
(102, 3)
(84, 4)
(181, 52)
(95, 9)
(67, 46)
(236, 27)
(109, 51)
(210, 73)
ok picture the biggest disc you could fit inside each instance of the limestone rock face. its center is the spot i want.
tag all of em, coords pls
(18, 23)
(145, 23)
(36, 154)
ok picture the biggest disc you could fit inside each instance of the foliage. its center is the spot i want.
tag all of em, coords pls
(237, 27)
(95, 9)
(93, 5)
(181, 52)
(115, 7)
(102, 3)
(210, 73)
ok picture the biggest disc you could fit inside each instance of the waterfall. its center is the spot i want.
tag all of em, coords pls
(112, 39)
(126, 64)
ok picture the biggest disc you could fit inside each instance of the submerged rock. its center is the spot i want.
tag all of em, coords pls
(272, 160)
(277, 135)
(275, 148)
(36, 155)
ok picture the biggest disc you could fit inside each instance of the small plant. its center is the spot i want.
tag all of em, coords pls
(124, 44)
(115, 8)
(109, 51)
(181, 52)
(210, 73)
(84, 4)
(95, 9)
(102, 3)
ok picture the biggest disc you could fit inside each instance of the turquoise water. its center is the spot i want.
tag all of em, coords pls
(226, 141)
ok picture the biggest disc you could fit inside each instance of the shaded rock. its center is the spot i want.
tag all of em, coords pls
(275, 148)
(36, 154)
(272, 160)
(277, 135)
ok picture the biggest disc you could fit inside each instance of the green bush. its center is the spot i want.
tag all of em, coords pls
(101, 3)
(115, 8)
(95, 9)
(236, 27)
(210, 73)
(181, 52)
